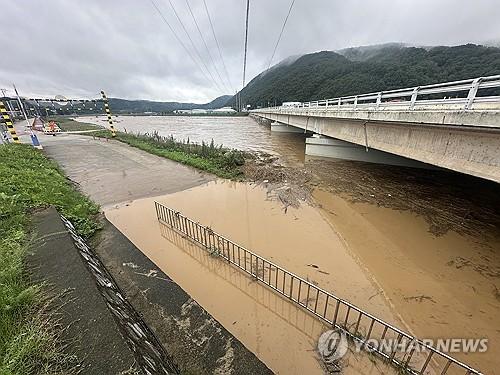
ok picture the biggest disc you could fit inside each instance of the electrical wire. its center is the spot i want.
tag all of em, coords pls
(218, 45)
(194, 46)
(281, 34)
(206, 46)
(178, 39)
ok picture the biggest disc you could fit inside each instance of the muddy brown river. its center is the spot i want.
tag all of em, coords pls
(418, 249)
(242, 133)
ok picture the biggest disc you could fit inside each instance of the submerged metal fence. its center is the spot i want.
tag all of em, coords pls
(406, 352)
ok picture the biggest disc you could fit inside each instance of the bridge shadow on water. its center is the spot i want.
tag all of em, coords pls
(447, 200)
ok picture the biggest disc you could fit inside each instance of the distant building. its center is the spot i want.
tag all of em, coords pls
(198, 111)
(195, 111)
(224, 110)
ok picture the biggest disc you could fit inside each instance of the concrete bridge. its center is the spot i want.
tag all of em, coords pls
(453, 125)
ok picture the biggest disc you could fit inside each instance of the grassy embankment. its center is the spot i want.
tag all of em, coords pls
(218, 160)
(67, 124)
(28, 341)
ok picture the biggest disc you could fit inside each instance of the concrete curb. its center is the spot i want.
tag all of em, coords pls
(89, 329)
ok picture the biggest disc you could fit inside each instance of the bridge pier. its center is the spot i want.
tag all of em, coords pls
(319, 145)
(472, 148)
(284, 128)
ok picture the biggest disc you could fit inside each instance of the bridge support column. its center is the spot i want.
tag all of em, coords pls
(319, 145)
(284, 128)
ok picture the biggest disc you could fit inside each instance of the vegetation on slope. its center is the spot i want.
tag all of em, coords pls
(216, 159)
(328, 74)
(221, 161)
(28, 343)
(68, 125)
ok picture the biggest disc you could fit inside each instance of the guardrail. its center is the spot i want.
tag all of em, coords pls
(406, 352)
(410, 98)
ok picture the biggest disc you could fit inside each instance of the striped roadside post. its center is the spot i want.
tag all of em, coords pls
(8, 122)
(108, 113)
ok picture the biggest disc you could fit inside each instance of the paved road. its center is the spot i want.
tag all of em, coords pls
(112, 172)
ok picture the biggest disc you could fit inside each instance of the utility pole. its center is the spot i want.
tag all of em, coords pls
(245, 55)
(22, 107)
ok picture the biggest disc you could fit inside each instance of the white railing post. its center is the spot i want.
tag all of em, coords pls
(414, 96)
(379, 100)
(472, 93)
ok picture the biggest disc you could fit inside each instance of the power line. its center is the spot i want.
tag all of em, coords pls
(178, 39)
(218, 46)
(281, 33)
(194, 46)
(205, 44)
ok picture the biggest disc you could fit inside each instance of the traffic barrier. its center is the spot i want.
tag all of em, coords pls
(8, 122)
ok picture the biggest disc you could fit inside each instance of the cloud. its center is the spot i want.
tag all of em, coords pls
(77, 48)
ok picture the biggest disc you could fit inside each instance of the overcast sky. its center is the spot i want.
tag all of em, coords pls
(76, 48)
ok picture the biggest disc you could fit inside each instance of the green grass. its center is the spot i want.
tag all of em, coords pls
(28, 342)
(216, 159)
(67, 124)
(221, 161)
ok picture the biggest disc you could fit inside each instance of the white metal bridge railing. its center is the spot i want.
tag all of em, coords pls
(448, 93)
(406, 352)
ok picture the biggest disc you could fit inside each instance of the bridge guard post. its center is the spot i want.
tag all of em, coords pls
(108, 113)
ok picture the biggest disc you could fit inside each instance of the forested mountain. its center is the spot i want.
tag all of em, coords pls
(141, 106)
(353, 71)
(364, 53)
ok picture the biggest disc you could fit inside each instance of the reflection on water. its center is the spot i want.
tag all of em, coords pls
(291, 315)
(280, 334)
(242, 133)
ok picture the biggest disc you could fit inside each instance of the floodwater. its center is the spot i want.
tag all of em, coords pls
(242, 133)
(444, 286)
(379, 240)
(280, 334)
